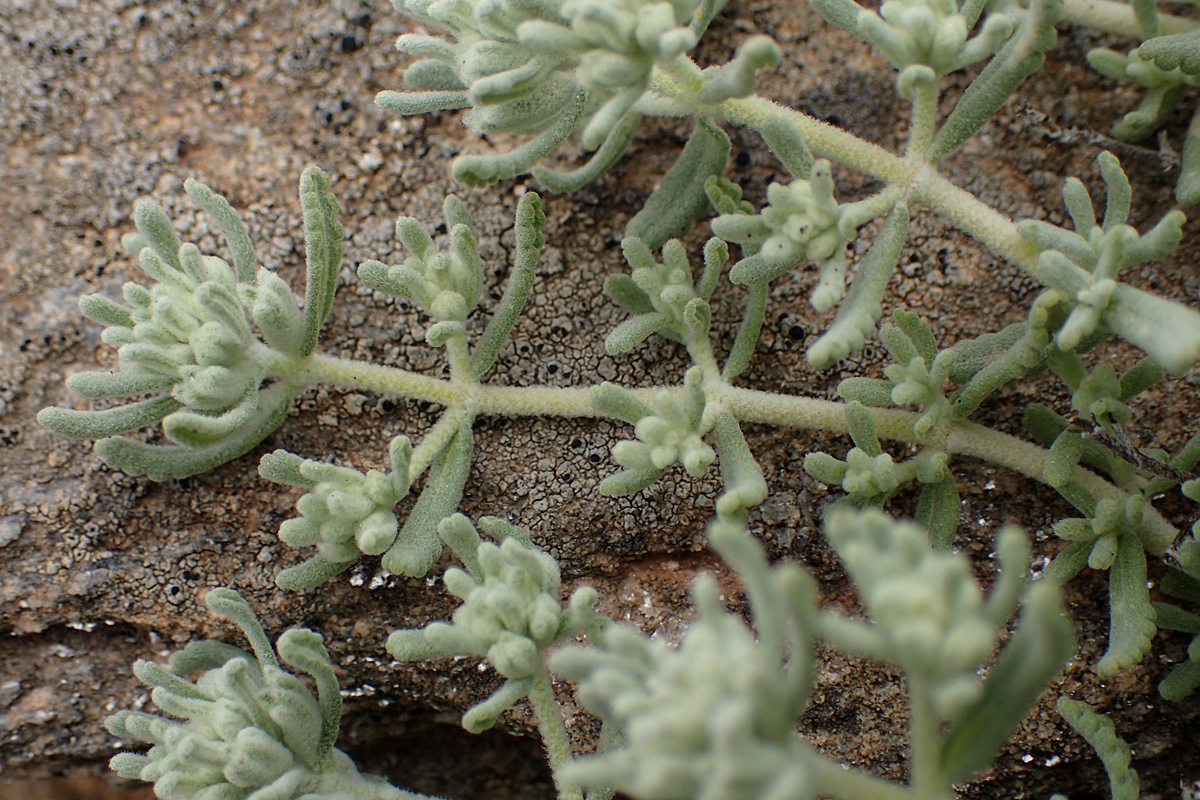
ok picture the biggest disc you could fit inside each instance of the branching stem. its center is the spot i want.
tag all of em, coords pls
(963, 438)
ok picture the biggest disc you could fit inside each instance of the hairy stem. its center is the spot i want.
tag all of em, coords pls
(963, 438)
(554, 733)
(926, 779)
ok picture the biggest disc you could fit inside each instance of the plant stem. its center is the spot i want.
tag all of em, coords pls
(924, 740)
(344, 372)
(963, 438)
(924, 120)
(554, 733)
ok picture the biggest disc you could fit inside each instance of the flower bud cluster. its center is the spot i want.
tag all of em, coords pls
(540, 67)
(1083, 265)
(801, 220)
(616, 44)
(930, 616)
(715, 716)
(1104, 528)
(247, 729)
(672, 433)
(346, 513)
(931, 33)
(190, 329)
(446, 283)
(510, 614)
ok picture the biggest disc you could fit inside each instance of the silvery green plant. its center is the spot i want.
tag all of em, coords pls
(217, 352)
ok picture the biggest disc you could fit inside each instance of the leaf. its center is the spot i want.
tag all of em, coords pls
(529, 240)
(109, 422)
(311, 574)
(1167, 331)
(417, 545)
(1184, 679)
(160, 462)
(1020, 57)
(1187, 188)
(747, 336)
(680, 199)
(1042, 642)
(738, 78)
(745, 486)
(484, 170)
(102, 385)
(614, 147)
(197, 429)
(245, 261)
(937, 510)
(862, 307)
(1178, 51)
(482, 716)
(153, 223)
(1101, 734)
(323, 236)
(842, 13)
(633, 331)
(1063, 458)
(614, 401)
(629, 481)
(1130, 615)
(406, 104)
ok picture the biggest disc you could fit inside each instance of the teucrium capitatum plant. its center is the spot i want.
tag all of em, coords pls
(221, 350)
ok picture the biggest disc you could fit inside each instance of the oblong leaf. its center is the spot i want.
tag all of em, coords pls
(1020, 57)
(680, 199)
(1130, 614)
(161, 462)
(98, 424)
(323, 236)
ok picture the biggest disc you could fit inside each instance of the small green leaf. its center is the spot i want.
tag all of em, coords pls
(614, 401)
(861, 308)
(479, 170)
(679, 199)
(633, 331)
(417, 545)
(1063, 458)
(745, 486)
(109, 422)
(1187, 188)
(1131, 617)
(529, 240)
(938, 509)
(614, 147)
(629, 481)
(1100, 733)
(160, 462)
(153, 223)
(245, 261)
(323, 236)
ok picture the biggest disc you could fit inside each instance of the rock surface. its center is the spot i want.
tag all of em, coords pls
(106, 101)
